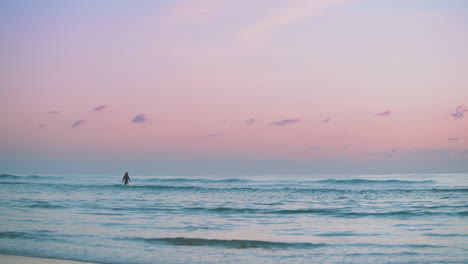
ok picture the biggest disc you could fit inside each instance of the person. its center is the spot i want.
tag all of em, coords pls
(126, 179)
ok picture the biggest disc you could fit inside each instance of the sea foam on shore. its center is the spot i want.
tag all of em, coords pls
(10, 259)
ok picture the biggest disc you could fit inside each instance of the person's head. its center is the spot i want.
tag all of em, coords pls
(126, 173)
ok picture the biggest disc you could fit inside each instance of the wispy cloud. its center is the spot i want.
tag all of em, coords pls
(251, 121)
(386, 113)
(431, 153)
(284, 122)
(53, 112)
(459, 111)
(391, 153)
(453, 139)
(78, 123)
(100, 108)
(41, 126)
(188, 11)
(326, 121)
(423, 154)
(216, 134)
(141, 118)
(291, 12)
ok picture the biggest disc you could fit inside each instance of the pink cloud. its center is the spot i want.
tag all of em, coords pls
(78, 123)
(386, 113)
(459, 111)
(100, 108)
(141, 118)
(326, 121)
(217, 134)
(284, 122)
(290, 13)
(251, 121)
(53, 112)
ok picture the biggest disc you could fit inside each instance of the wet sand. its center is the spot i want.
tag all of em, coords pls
(10, 259)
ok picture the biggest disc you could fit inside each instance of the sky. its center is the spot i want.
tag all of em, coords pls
(233, 87)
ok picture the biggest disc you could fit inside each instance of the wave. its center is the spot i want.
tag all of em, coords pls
(39, 234)
(282, 182)
(229, 243)
(364, 181)
(168, 185)
(15, 177)
(333, 212)
(345, 233)
(306, 189)
(14, 234)
(45, 205)
(261, 244)
(187, 180)
(13, 182)
(446, 235)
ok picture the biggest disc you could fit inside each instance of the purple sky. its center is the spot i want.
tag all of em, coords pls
(304, 86)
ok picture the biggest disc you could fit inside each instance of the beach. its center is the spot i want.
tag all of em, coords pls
(11, 259)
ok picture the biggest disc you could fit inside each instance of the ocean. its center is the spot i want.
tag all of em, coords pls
(410, 218)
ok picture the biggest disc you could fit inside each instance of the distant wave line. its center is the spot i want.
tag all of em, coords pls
(282, 182)
(239, 181)
(10, 176)
(248, 244)
(332, 212)
(184, 180)
(237, 188)
(229, 243)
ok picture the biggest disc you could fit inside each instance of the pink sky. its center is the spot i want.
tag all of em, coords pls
(144, 86)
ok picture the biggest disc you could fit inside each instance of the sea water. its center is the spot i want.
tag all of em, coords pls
(418, 218)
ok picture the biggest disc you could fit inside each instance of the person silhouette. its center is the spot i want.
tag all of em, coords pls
(126, 179)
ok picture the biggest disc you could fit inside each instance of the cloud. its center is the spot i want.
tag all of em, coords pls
(141, 118)
(291, 12)
(437, 154)
(428, 153)
(53, 112)
(388, 154)
(453, 139)
(326, 121)
(459, 111)
(41, 126)
(100, 108)
(78, 123)
(386, 113)
(251, 121)
(188, 11)
(424, 154)
(216, 134)
(284, 122)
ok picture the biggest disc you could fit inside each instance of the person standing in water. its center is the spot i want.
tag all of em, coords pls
(126, 179)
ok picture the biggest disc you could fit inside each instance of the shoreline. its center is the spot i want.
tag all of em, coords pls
(15, 259)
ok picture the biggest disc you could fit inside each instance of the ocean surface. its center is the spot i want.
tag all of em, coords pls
(414, 218)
